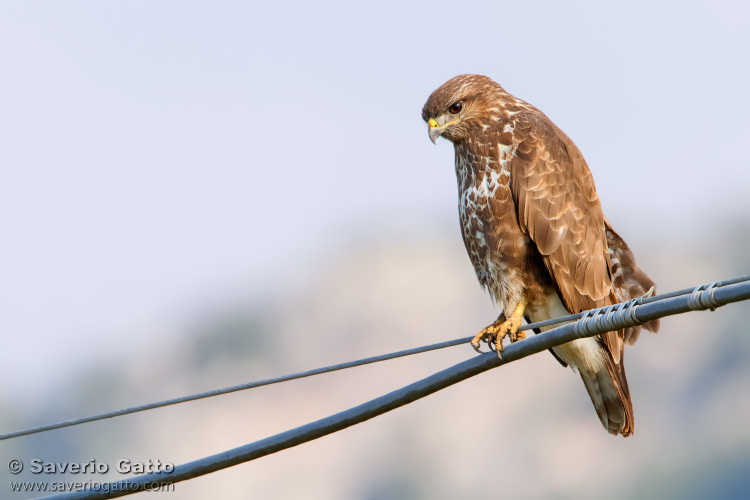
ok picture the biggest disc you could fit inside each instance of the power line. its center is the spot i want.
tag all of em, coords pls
(592, 323)
(235, 388)
(332, 368)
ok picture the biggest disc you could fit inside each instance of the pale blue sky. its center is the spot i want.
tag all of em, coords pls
(157, 156)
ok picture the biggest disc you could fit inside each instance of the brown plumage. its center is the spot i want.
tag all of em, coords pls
(534, 229)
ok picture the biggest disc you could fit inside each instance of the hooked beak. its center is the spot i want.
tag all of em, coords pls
(436, 129)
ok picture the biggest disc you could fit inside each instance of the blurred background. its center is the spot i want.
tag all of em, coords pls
(199, 194)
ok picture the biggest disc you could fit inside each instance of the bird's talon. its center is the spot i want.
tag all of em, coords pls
(478, 338)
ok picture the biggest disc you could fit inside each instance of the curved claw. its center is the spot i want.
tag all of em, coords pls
(499, 344)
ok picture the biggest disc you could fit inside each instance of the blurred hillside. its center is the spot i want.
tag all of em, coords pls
(528, 428)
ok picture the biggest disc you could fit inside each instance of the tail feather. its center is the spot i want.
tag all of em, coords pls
(610, 395)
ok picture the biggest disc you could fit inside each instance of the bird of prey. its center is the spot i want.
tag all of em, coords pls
(534, 230)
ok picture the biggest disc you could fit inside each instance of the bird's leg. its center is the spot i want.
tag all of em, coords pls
(502, 327)
(516, 319)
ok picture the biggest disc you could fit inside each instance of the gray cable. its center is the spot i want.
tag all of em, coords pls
(631, 314)
(332, 368)
(234, 388)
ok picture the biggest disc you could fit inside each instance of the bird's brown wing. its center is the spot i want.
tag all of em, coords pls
(628, 279)
(558, 207)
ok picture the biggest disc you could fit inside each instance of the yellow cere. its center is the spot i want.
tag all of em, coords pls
(434, 124)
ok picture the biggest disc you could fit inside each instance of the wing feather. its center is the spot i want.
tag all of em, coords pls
(558, 207)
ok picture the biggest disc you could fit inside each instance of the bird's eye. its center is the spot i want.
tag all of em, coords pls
(456, 108)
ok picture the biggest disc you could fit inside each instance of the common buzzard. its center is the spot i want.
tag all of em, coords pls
(534, 229)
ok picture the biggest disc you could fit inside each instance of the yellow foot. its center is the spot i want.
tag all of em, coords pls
(497, 331)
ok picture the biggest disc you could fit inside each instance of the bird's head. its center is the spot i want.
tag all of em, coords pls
(459, 106)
